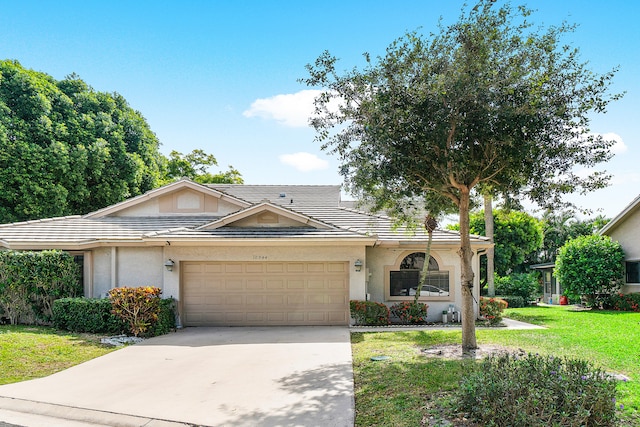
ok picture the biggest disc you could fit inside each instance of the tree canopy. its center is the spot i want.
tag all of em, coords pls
(195, 166)
(490, 100)
(518, 237)
(67, 149)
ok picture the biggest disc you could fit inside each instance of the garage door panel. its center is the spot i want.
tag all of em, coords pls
(275, 284)
(255, 284)
(275, 267)
(265, 293)
(295, 284)
(255, 300)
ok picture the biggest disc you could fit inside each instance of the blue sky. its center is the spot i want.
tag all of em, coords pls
(222, 75)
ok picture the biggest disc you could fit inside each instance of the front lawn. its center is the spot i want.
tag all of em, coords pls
(398, 391)
(28, 352)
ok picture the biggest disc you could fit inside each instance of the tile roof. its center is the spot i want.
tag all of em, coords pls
(320, 203)
(285, 195)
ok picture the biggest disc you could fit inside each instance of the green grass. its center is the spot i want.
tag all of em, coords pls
(28, 352)
(395, 392)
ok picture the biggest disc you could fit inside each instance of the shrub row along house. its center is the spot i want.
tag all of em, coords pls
(251, 254)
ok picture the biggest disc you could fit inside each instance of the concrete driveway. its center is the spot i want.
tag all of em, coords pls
(249, 376)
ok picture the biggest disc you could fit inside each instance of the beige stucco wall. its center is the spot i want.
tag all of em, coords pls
(628, 234)
(380, 257)
(125, 266)
(207, 205)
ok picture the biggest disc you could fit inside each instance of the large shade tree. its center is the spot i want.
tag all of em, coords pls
(490, 100)
(66, 148)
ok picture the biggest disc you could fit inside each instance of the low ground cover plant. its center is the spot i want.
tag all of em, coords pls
(537, 391)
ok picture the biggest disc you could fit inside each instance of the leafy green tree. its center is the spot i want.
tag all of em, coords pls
(517, 236)
(195, 166)
(559, 227)
(591, 266)
(490, 100)
(67, 149)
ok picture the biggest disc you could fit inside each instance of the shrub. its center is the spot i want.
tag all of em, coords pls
(591, 266)
(138, 307)
(369, 313)
(410, 312)
(166, 318)
(31, 281)
(513, 301)
(87, 315)
(622, 302)
(492, 308)
(524, 285)
(537, 391)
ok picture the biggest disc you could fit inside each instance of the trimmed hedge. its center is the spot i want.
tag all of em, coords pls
(86, 315)
(94, 316)
(514, 301)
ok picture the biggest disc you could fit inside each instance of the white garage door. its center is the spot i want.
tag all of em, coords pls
(265, 293)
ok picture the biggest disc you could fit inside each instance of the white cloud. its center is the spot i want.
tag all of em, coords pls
(291, 110)
(619, 146)
(304, 162)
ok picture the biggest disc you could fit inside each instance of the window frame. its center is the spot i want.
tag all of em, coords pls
(627, 264)
(442, 267)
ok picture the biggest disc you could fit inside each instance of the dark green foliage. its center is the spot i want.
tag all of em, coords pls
(560, 227)
(195, 166)
(166, 321)
(31, 281)
(524, 285)
(592, 267)
(95, 316)
(518, 237)
(514, 301)
(537, 391)
(87, 315)
(67, 149)
(369, 313)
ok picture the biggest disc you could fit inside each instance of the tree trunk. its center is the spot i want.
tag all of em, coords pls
(466, 255)
(488, 227)
(430, 224)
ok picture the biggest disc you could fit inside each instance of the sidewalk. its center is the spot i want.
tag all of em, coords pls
(508, 324)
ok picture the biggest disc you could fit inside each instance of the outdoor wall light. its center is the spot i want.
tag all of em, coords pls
(358, 265)
(169, 264)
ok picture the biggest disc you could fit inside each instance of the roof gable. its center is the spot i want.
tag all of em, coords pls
(180, 197)
(629, 210)
(266, 215)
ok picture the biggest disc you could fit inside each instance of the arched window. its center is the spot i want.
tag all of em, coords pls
(404, 282)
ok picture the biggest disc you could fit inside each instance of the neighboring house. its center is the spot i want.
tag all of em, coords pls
(625, 228)
(552, 289)
(252, 254)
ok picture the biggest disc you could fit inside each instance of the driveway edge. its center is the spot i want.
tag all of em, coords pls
(88, 416)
